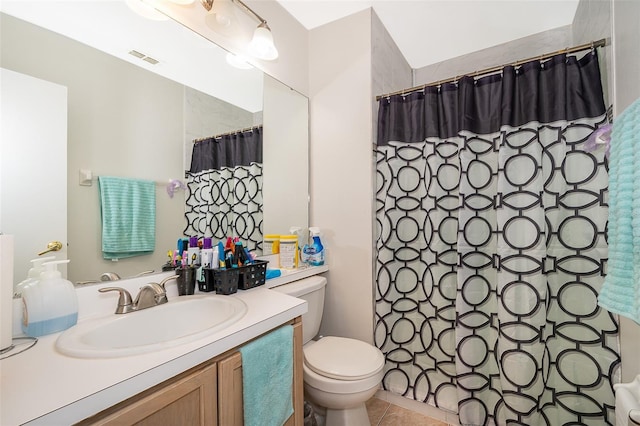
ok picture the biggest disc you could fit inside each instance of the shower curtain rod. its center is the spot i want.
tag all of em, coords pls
(227, 133)
(592, 45)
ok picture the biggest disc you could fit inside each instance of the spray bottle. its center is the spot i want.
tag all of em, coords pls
(313, 254)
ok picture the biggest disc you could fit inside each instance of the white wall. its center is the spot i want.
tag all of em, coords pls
(341, 169)
(626, 44)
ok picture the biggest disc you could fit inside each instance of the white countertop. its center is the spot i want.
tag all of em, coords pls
(43, 387)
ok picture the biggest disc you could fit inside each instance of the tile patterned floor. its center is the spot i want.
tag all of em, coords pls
(383, 413)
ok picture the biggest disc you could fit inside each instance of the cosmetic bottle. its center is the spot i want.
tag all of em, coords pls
(51, 304)
(206, 255)
(206, 259)
(193, 252)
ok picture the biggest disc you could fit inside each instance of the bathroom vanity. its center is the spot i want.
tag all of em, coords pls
(201, 377)
(208, 394)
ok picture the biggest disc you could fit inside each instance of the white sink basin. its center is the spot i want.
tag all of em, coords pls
(183, 319)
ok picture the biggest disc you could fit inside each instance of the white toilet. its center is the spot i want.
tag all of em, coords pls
(340, 374)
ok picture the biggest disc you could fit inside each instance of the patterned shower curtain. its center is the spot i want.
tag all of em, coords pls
(491, 247)
(224, 188)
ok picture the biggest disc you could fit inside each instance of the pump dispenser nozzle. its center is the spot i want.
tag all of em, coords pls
(51, 269)
(36, 269)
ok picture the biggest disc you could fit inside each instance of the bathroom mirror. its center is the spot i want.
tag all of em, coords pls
(137, 118)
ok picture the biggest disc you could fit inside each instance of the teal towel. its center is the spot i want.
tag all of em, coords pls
(620, 292)
(267, 377)
(128, 210)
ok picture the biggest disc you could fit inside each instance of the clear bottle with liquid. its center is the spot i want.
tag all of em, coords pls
(51, 304)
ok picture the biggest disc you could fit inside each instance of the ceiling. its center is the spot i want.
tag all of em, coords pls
(431, 31)
(112, 27)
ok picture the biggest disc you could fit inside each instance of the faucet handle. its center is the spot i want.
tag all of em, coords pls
(166, 280)
(151, 294)
(125, 302)
(109, 276)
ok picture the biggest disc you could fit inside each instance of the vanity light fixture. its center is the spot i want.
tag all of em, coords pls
(261, 45)
(222, 18)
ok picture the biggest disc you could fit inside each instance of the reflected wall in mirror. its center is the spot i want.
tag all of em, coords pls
(125, 120)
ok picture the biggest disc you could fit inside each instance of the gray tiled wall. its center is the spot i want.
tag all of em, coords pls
(390, 70)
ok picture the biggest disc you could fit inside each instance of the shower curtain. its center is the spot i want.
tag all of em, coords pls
(224, 188)
(491, 247)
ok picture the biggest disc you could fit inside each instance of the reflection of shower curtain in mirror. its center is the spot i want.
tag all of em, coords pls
(224, 184)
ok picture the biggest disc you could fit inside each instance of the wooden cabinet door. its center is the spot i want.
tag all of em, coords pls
(230, 403)
(190, 400)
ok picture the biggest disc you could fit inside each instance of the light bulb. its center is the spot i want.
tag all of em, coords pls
(261, 45)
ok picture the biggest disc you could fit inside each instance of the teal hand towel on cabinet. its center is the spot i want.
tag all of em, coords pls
(267, 377)
(620, 292)
(128, 210)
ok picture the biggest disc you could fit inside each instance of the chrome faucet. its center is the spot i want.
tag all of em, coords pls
(150, 295)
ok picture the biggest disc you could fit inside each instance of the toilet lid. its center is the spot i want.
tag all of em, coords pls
(343, 358)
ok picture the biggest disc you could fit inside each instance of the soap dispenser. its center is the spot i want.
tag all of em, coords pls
(51, 304)
(33, 277)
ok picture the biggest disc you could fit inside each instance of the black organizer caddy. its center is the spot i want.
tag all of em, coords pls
(228, 281)
(252, 275)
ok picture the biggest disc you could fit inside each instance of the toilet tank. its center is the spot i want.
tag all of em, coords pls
(311, 290)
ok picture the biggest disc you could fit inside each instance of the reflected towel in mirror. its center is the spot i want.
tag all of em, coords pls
(128, 210)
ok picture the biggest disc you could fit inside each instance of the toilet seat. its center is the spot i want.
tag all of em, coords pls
(335, 386)
(343, 359)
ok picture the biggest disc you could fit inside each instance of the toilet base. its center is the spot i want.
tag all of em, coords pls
(354, 416)
(340, 409)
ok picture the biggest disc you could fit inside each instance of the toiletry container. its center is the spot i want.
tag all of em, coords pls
(271, 244)
(51, 304)
(313, 253)
(206, 259)
(206, 255)
(288, 251)
(33, 277)
(193, 252)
